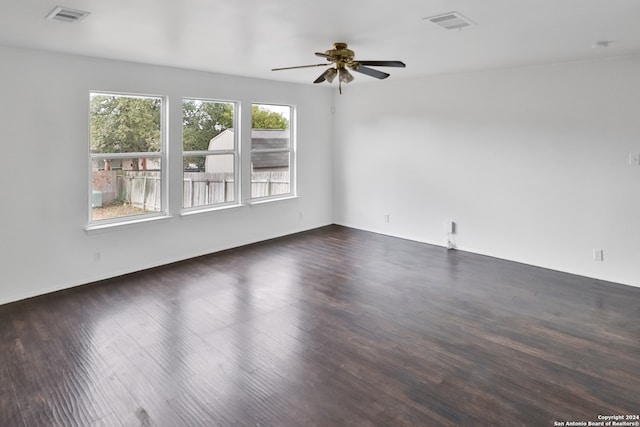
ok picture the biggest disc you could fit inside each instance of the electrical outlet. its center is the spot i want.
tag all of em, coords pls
(634, 159)
(300, 216)
(96, 256)
(386, 218)
(598, 255)
(450, 226)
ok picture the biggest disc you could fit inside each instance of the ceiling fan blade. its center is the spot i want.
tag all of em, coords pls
(300, 66)
(324, 55)
(383, 63)
(323, 76)
(371, 72)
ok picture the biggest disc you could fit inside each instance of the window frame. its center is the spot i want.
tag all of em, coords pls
(161, 154)
(292, 150)
(236, 152)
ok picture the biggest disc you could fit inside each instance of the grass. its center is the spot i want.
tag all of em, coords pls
(115, 210)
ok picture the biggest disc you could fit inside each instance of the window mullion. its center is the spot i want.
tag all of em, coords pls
(110, 156)
(207, 153)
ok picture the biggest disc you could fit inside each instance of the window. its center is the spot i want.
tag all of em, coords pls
(210, 153)
(272, 154)
(126, 154)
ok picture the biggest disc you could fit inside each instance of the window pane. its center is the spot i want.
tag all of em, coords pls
(125, 124)
(129, 183)
(125, 187)
(270, 150)
(207, 125)
(270, 126)
(208, 180)
(267, 116)
(270, 174)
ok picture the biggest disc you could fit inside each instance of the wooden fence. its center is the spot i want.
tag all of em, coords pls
(142, 189)
(269, 183)
(205, 188)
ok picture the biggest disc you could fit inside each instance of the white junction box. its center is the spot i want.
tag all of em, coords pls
(450, 227)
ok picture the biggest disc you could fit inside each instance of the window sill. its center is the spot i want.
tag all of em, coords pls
(97, 228)
(272, 199)
(197, 211)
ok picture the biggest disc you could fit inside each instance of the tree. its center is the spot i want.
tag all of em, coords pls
(122, 124)
(262, 118)
(201, 122)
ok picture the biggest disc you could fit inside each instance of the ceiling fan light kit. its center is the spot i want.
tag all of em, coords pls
(344, 76)
(343, 59)
(330, 75)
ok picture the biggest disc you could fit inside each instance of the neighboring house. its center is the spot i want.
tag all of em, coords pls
(144, 164)
(220, 164)
(109, 176)
(270, 139)
(261, 139)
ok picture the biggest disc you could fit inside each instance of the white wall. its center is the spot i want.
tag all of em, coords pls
(44, 100)
(531, 163)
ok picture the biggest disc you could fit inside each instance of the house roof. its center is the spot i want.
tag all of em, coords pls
(269, 138)
(261, 139)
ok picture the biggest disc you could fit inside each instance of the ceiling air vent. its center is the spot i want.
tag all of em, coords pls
(450, 21)
(66, 15)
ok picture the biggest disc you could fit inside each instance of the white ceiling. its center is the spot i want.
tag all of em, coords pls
(249, 37)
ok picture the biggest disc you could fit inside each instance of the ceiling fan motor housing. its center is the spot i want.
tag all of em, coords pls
(340, 54)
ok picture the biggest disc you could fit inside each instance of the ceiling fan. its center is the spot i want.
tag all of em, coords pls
(342, 57)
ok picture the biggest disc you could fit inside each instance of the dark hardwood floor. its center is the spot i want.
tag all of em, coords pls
(332, 327)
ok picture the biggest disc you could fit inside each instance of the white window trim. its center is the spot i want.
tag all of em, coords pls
(100, 224)
(292, 150)
(236, 152)
(131, 221)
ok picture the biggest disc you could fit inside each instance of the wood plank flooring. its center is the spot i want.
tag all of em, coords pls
(331, 327)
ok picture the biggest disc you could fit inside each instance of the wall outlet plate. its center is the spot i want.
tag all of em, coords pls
(598, 255)
(634, 159)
